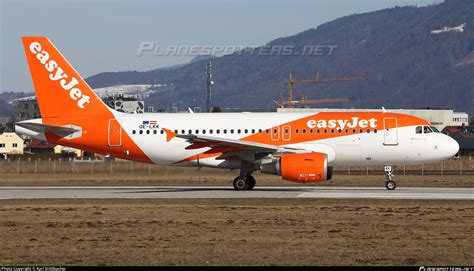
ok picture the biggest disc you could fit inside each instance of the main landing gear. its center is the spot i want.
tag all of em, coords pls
(389, 178)
(245, 181)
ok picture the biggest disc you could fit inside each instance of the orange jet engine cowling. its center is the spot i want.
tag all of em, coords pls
(300, 167)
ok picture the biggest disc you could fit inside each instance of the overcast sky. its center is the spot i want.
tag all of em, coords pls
(99, 36)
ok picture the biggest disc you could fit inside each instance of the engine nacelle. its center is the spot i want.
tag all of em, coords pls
(300, 167)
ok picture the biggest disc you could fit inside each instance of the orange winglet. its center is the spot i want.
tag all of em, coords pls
(169, 134)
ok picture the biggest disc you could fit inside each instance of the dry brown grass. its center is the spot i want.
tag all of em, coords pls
(219, 177)
(236, 232)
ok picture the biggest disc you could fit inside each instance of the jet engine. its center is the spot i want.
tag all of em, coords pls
(300, 167)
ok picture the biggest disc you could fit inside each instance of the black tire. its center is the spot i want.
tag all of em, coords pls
(241, 183)
(390, 185)
(251, 181)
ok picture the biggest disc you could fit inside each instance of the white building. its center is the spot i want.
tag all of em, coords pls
(460, 119)
(11, 143)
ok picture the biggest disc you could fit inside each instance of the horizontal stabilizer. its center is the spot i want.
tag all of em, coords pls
(43, 128)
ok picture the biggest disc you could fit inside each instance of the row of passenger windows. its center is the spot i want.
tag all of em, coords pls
(260, 131)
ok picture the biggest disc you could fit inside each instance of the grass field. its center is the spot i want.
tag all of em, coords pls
(236, 232)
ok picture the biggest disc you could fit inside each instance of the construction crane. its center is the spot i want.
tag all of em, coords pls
(305, 102)
(317, 79)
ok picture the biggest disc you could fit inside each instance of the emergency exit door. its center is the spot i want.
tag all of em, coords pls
(390, 132)
(115, 133)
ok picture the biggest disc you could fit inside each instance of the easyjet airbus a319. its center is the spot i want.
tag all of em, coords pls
(300, 147)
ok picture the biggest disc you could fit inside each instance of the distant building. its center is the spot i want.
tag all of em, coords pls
(11, 143)
(460, 119)
(58, 149)
(40, 146)
(27, 109)
(124, 104)
(150, 109)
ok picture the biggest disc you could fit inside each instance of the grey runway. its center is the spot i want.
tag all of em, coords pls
(136, 192)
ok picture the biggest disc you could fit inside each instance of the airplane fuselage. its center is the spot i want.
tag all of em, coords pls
(364, 138)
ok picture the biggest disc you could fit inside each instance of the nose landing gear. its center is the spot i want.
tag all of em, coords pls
(389, 178)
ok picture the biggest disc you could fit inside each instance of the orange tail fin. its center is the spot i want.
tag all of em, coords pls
(60, 90)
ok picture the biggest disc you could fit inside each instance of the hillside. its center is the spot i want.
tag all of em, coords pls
(403, 63)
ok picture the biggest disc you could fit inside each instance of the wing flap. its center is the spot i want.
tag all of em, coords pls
(228, 149)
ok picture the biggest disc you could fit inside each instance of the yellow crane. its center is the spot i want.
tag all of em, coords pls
(317, 79)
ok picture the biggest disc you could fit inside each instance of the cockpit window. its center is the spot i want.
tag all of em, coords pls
(419, 130)
(434, 129)
(427, 129)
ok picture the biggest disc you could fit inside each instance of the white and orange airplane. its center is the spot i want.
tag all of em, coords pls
(300, 147)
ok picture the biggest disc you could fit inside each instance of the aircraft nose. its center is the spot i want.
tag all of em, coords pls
(451, 146)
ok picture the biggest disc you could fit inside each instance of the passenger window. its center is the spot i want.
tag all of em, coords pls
(210, 131)
(267, 131)
(161, 132)
(339, 130)
(182, 132)
(154, 132)
(197, 131)
(347, 131)
(147, 132)
(419, 130)
(175, 131)
(304, 131)
(134, 132)
(238, 131)
(332, 131)
(231, 131)
(368, 131)
(375, 131)
(318, 131)
(246, 131)
(141, 132)
(253, 131)
(190, 131)
(203, 131)
(218, 131)
(325, 131)
(297, 131)
(260, 131)
(353, 131)
(311, 131)
(225, 131)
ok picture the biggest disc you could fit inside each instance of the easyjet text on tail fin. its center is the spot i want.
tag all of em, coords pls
(60, 90)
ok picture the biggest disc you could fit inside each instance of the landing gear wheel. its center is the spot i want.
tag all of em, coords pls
(251, 181)
(390, 185)
(241, 183)
(389, 178)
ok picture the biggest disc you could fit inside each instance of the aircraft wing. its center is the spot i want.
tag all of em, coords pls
(232, 148)
(43, 128)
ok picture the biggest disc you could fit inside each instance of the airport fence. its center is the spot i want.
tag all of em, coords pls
(457, 166)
